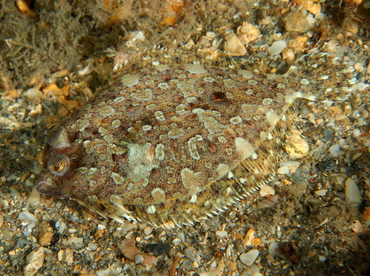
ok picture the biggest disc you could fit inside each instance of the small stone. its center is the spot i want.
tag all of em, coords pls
(312, 6)
(129, 249)
(366, 215)
(288, 55)
(283, 170)
(321, 192)
(296, 146)
(288, 167)
(148, 230)
(250, 257)
(34, 197)
(104, 272)
(296, 22)
(334, 150)
(139, 258)
(46, 236)
(248, 32)
(27, 216)
(273, 248)
(266, 190)
(190, 253)
(257, 274)
(35, 260)
(269, 201)
(357, 227)
(277, 47)
(93, 246)
(65, 255)
(158, 249)
(34, 96)
(75, 242)
(353, 194)
(249, 237)
(234, 46)
(221, 234)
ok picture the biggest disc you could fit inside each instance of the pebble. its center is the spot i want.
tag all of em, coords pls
(129, 249)
(103, 272)
(139, 258)
(46, 236)
(273, 248)
(250, 257)
(353, 194)
(234, 46)
(158, 249)
(34, 197)
(27, 216)
(221, 234)
(65, 255)
(266, 190)
(34, 96)
(296, 146)
(190, 253)
(93, 246)
(248, 32)
(288, 167)
(75, 242)
(321, 192)
(35, 260)
(277, 47)
(312, 6)
(148, 230)
(334, 150)
(296, 22)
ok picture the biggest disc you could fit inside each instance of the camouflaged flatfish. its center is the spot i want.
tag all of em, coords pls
(171, 144)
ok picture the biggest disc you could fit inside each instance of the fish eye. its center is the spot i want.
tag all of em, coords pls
(59, 165)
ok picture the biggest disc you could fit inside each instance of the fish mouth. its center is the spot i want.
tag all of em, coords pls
(47, 186)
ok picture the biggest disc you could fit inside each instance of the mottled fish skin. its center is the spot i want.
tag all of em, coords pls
(171, 144)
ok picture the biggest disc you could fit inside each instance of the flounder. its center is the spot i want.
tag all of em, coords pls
(171, 143)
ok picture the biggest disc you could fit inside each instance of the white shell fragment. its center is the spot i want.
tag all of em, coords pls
(250, 257)
(277, 47)
(353, 194)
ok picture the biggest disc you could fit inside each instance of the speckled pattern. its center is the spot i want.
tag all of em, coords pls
(171, 144)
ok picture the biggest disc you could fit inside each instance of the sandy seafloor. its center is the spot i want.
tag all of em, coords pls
(55, 54)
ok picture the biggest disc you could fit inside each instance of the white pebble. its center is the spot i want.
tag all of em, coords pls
(190, 253)
(34, 197)
(93, 246)
(273, 248)
(353, 194)
(266, 190)
(221, 234)
(250, 257)
(283, 170)
(288, 167)
(277, 47)
(61, 226)
(257, 274)
(321, 192)
(356, 132)
(181, 236)
(334, 150)
(27, 216)
(104, 272)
